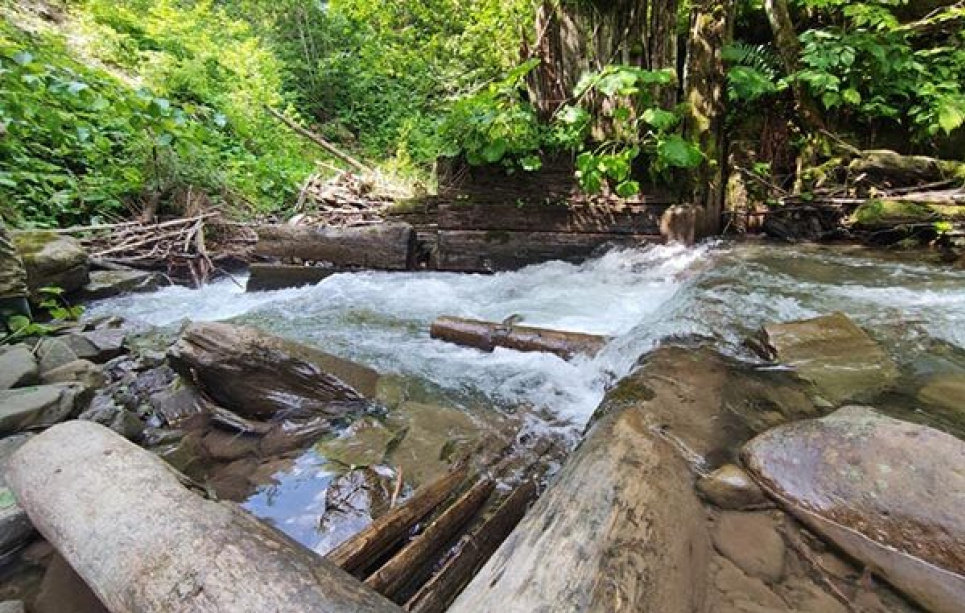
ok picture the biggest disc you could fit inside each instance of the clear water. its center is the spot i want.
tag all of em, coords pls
(638, 297)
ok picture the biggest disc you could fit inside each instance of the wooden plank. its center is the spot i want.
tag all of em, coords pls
(492, 251)
(606, 219)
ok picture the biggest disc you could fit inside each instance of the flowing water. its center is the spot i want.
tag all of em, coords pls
(721, 291)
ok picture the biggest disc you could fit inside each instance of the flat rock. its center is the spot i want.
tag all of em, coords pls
(107, 283)
(839, 358)
(259, 375)
(52, 260)
(54, 353)
(79, 371)
(752, 542)
(946, 391)
(18, 367)
(99, 346)
(15, 526)
(729, 487)
(887, 492)
(39, 405)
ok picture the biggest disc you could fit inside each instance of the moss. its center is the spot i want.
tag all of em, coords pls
(888, 212)
(29, 244)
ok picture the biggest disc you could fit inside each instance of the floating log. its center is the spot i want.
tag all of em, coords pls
(397, 572)
(145, 544)
(580, 219)
(487, 336)
(363, 549)
(496, 250)
(385, 246)
(259, 375)
(266, 277)
(472, 552)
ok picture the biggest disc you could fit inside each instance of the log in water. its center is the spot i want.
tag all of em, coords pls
(387, 246)
(145, 544)
(487, 336)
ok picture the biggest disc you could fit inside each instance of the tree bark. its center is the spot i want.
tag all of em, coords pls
(487, 336)
(387, 246)
(145, 544)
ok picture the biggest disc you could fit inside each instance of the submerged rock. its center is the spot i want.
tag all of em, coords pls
(887, 492)
(108, 283)
(839, 358)
(18, 367)
(52, 260)
(364, 443)
(258, 375)
(42, 405)
(945, 391)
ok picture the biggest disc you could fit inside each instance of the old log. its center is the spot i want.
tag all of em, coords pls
(385, 246)
(487, 336)
(366, 547)
(472, 552)
(496, 250)
(256, 374)
(407, 564)
(900, 169)
(579, 219)
(267, 277)
(145, 544)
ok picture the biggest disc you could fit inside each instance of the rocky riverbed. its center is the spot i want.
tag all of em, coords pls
(754, 356)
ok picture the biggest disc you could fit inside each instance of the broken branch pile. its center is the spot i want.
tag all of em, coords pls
(344, 200)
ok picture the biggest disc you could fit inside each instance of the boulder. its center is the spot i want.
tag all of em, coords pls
(54, 353)
(15, 526)
(887, 492)
(80, 371)
(18, 367)
(258, 375)
(729, 487)
(42, 405)
(108, 283)
(99, 346)
(839, 358)
(52, 260)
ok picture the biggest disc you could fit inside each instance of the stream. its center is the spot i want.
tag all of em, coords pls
(721, 291)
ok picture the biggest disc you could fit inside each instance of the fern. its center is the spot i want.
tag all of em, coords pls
(753, 71)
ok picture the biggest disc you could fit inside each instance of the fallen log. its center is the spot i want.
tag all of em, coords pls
(487, 336)
(366, 547)
(905, 169)
(385, 246)
(400, 570)
(267, 277)
(256, 374)
(471, 553)
(145, 544)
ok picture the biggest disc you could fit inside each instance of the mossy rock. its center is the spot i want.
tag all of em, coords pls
(890, 213)
(52, 260)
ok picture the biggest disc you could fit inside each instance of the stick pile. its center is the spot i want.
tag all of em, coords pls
(344, 200)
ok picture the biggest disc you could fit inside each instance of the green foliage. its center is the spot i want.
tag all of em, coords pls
(752, 72)
(54, 306)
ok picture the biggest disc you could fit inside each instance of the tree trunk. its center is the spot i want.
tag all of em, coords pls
(145, 544)
(788, 47)
(706, 92)
(387, 246)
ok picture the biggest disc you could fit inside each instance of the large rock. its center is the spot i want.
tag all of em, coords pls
(15, 526)
(839, 358)
(256, 374)
(107, 283)
(99, 346)
(54, 353)
(80, 371)
(42, 405)
(18, 367)
(887, 492)
(52, 260)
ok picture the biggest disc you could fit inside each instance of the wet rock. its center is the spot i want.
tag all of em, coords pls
(18, 367)
(84, 372)
(364, 443)
(752, 542)
(729, 487)
(40, 406)
(183, 454)
(63, 591)
(258, 375)
(15, 526)
(228, 447)
(101, 345)
(105, 411)
(840, 359)
(52, 260)
(352, 502)
(887, 492)
(178, 403)
(945, 391)
(54, 353)
(107, 283)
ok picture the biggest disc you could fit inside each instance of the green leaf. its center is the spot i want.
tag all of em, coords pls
(494, 151)
(676, 151)
(627, 189)
(951, 115)
(851, 96)
(531, 163)
(660, 119)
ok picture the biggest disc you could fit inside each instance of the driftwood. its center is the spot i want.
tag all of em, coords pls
(472, 552)
(266, 277)
(363, 549)
(258, 375)
(487, 336)
(145, 544)
(405, 565)
(387, 246)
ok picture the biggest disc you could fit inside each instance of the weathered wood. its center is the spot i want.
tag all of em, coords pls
(905, 169)
(145, 544)
(363, 549)
(487, 336)
(387, 246)
(472, 552)
(259, 375)
(266, 277)
(612, 219)
(492, 251)
(397, 572)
